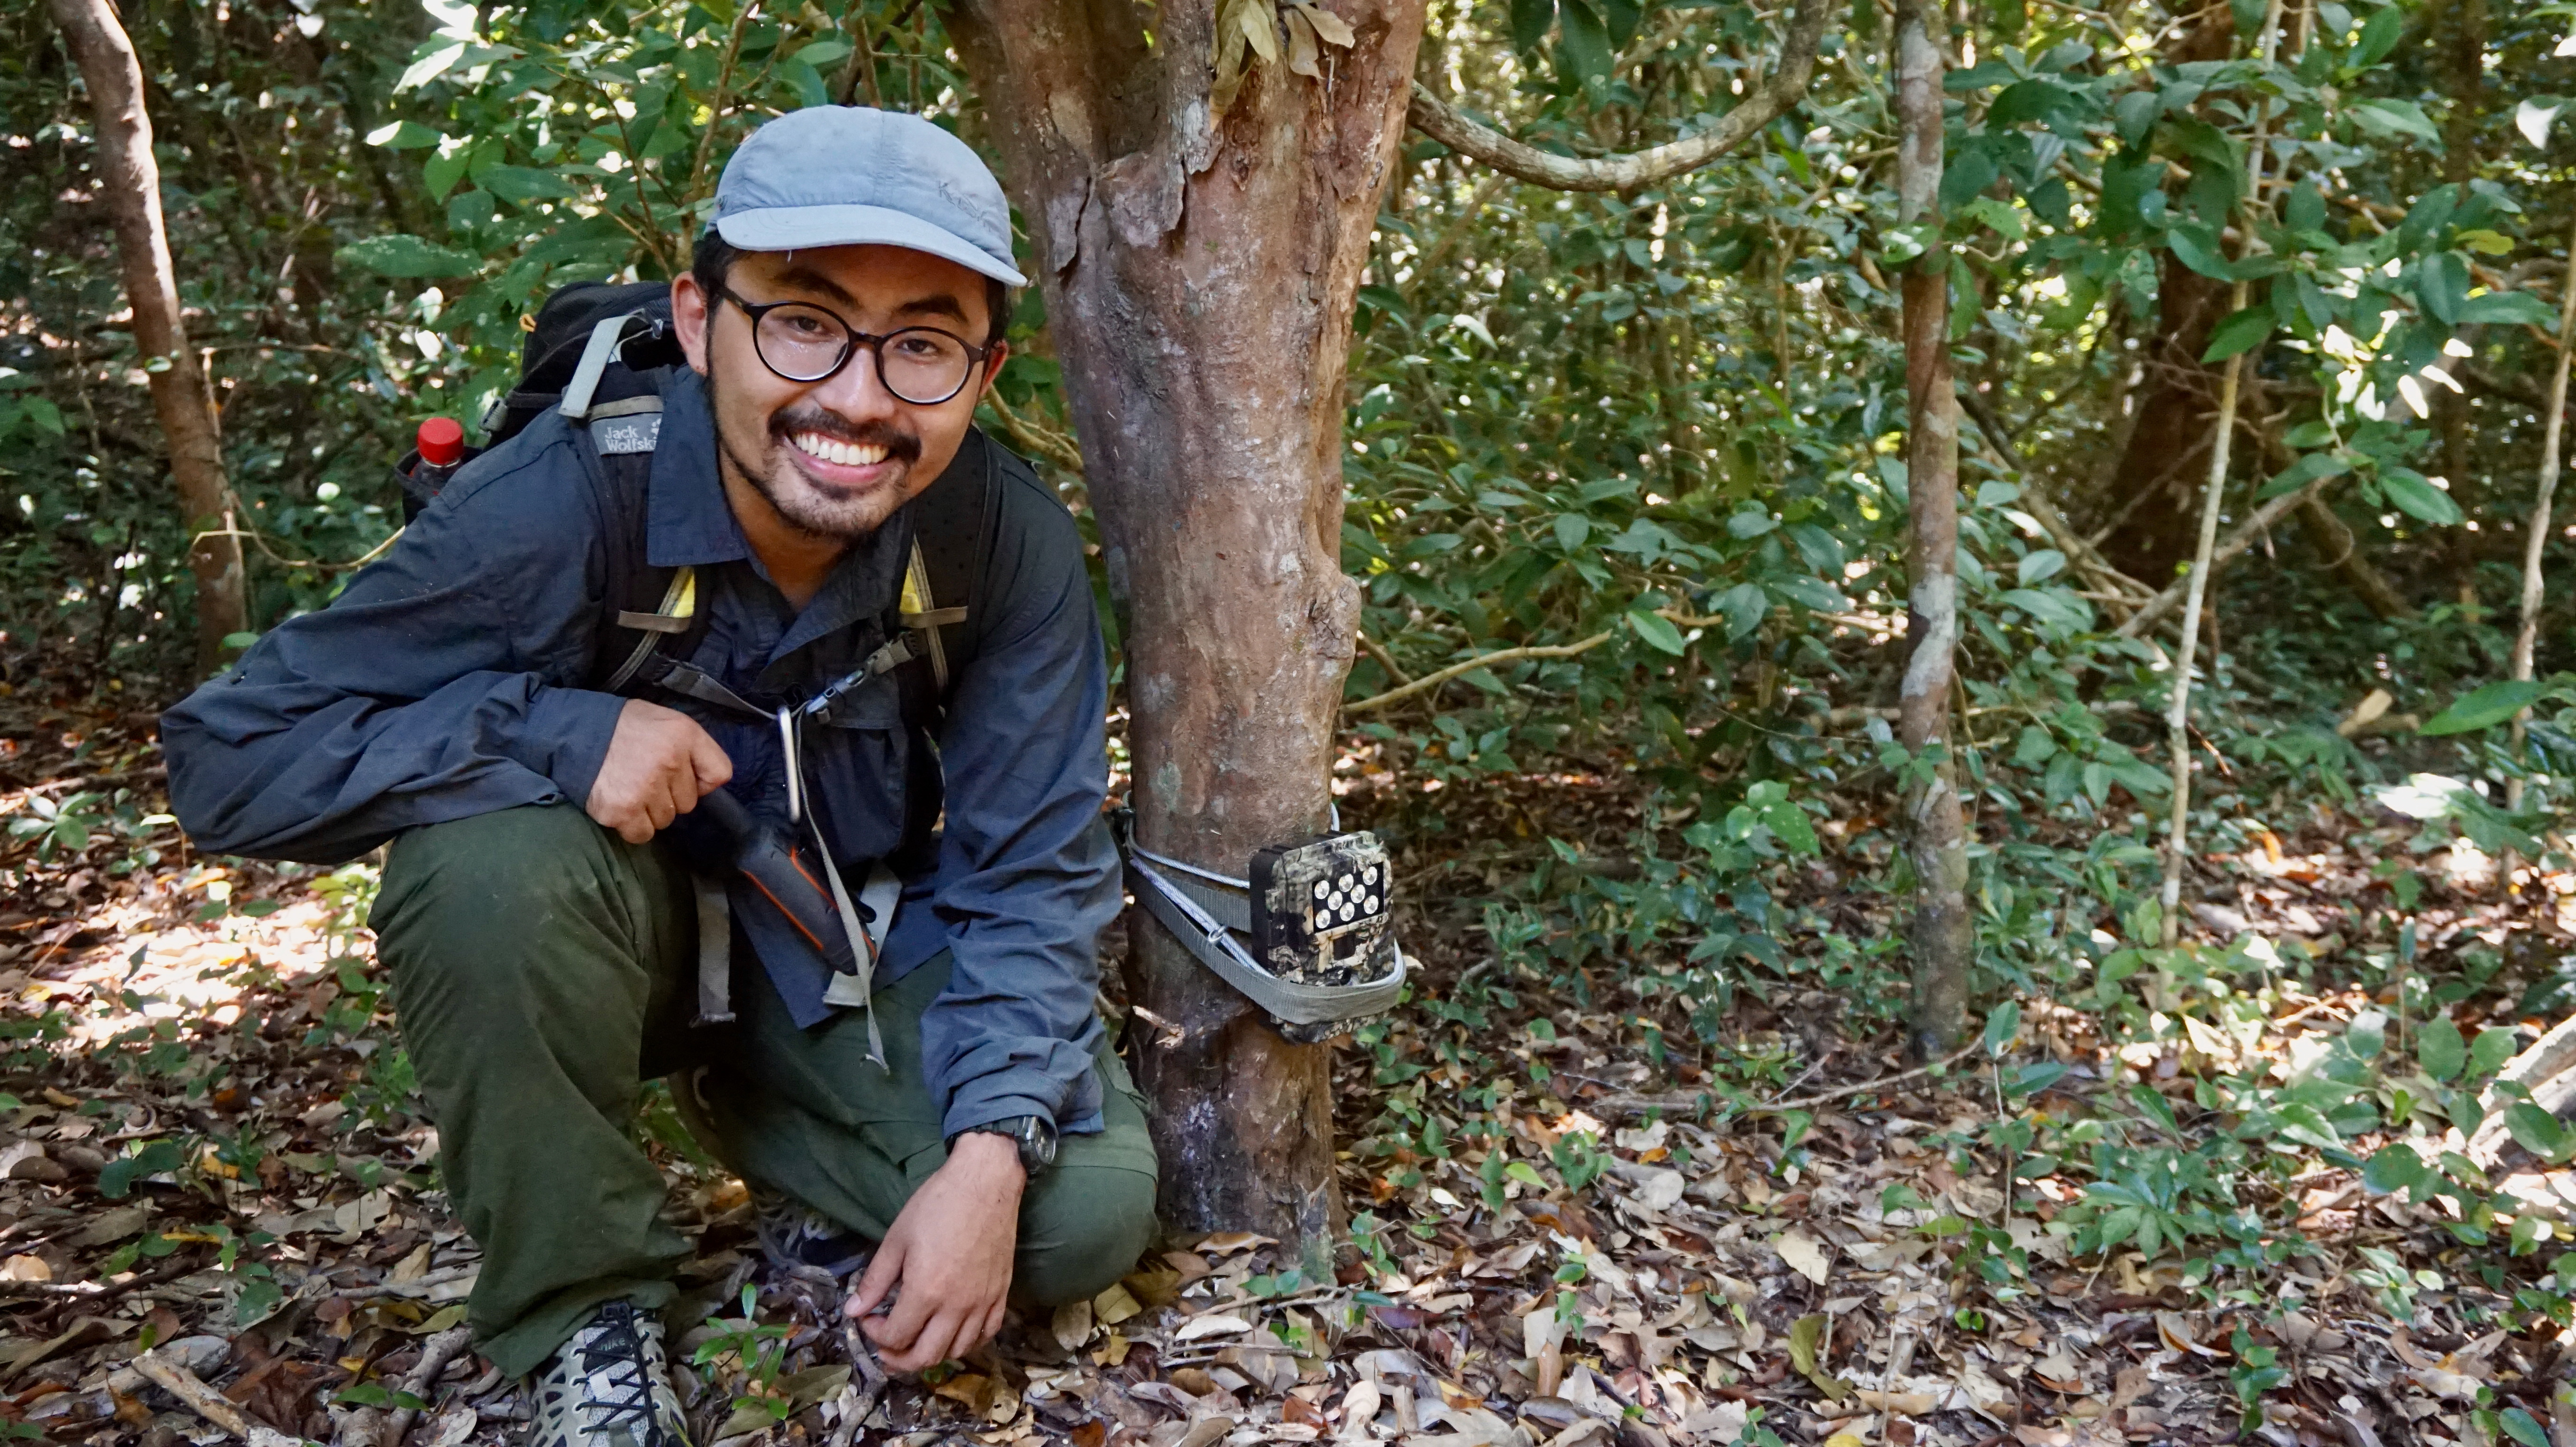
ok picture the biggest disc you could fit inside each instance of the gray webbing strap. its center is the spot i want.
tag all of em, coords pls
(1173, 899)
(715, 951)
(605, 339)
(695, 682)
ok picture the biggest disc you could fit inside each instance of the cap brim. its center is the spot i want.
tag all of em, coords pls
(800, 228)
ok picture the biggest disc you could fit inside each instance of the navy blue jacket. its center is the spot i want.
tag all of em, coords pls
(446, 681)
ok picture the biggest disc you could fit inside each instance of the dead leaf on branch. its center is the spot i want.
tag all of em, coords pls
(1249, 28)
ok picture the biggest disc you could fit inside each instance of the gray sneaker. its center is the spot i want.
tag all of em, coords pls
(794, 1235)
(609, 1386)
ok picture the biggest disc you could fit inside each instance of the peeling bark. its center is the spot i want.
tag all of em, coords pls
(129, 182)
(1943, 934)
(1200, 272)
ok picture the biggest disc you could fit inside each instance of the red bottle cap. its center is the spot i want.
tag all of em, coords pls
(442, 442)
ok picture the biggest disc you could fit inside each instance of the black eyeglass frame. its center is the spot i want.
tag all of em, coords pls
(852, 340)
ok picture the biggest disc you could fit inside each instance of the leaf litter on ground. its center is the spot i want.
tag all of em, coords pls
(212, 1165)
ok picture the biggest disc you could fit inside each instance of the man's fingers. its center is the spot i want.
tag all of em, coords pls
(708, 760)
(636, 830)
(884, 1270)
(901, 1328)
(943, 1338)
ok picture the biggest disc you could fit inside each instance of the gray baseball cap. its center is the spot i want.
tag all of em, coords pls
(851, 176)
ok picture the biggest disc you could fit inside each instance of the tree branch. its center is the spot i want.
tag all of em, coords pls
(1442, 122)
(1485, 660)
(2236, 542)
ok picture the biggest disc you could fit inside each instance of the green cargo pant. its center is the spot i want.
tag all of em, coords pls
(543, 968)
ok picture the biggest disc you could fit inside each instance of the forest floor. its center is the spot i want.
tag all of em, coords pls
(211, 1152)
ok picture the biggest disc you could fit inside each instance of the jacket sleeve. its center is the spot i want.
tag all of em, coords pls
(1028, 873)
(427, 691)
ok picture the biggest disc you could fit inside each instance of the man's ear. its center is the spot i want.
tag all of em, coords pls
(689, 303)
(994, 357)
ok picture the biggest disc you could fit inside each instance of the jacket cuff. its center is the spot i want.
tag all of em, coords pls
(566, 737)
(996, 1097)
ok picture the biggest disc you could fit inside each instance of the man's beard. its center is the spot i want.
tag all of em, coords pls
(797, 497)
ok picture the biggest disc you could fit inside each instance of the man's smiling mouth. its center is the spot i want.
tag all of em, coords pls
(832, 450)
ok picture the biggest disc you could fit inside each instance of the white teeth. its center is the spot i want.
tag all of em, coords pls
(846, 454)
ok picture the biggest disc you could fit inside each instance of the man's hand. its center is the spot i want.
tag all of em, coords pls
(659, 765)
(947, 1262)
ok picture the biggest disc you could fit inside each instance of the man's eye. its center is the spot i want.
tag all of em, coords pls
(920, 348)
(806, 326)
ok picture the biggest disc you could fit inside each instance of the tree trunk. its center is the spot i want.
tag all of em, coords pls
(129, 182)
(2150, 501)
(1200, 272)
(1944, 935)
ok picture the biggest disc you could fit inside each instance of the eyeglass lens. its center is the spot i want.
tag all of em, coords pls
(919, 365)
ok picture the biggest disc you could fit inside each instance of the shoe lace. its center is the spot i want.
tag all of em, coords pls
(617, 1373)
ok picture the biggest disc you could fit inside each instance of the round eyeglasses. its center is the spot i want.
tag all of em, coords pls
(802, 342)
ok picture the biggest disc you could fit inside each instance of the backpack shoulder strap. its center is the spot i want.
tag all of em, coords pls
(952, 541)
(648, 616)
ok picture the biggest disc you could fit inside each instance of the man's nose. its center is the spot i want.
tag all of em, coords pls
(855, 392)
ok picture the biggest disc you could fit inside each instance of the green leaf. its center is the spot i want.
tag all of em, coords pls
(1789, 824)
(2489, 1052)
(2241, 332)
(2053, 607)
(1583, 42)
(2485, 707)
(523, 183)
(2391, 1168)
(2517, 1423)
(2440, 1050)
(1656, 630)
(2442, 284)
(2391, 118)
(404, 136)
(2035, 747)
(441, 172)
(2002, 1024)
(429, 63)
(2508, 308)
(2039, 566)
(1811, 593)
(1572, 530)
(1745, 606)
(2536, 1130)
(407, 256)
(1531, 21)
(2302, 472)
(2379, 37)
(2409, 493)
(2197, 248)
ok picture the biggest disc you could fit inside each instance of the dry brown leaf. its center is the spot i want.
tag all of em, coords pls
(1226, 1243)
(1072, 1325)
(1114, 1306)
(1803, 1254)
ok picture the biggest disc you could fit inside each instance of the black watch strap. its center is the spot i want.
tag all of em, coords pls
(1034, 1135)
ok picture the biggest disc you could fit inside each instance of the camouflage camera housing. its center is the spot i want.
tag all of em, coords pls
(1322, 907)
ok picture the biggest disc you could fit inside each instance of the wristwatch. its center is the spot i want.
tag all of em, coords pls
(1033, 1134)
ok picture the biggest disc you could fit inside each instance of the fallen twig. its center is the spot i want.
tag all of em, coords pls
(1640, 1104)
(206, 1402)
(435, 1354)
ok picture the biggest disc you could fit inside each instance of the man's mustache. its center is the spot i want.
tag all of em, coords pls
(899, 445)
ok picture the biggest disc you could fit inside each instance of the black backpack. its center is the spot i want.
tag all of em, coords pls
(598, 351)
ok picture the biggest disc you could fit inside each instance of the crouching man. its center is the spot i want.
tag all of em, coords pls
(557, 932)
